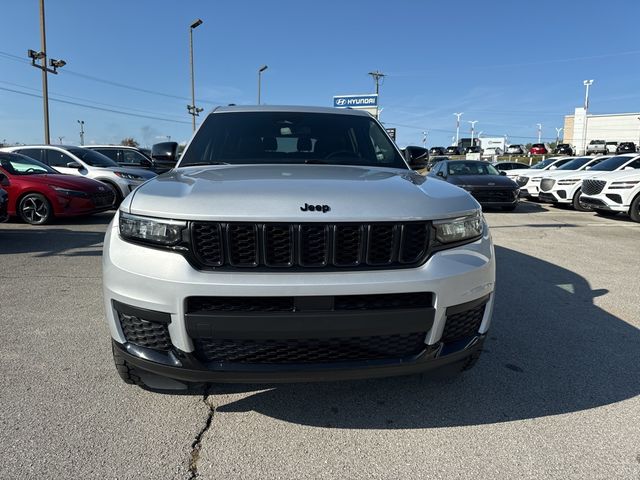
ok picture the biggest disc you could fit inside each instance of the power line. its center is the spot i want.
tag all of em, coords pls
(114, 84)
(93, 107)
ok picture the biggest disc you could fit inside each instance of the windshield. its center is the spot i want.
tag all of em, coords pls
(91, 158)
(17, 164)
(543, 164)
(611, 164)
(472, 168)
(576, 163)
(291, 138)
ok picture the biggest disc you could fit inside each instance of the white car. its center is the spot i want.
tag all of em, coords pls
(557, 195)
(529, 179)
(566, 187)
(613, 192)
(87, 163)
(293, 244)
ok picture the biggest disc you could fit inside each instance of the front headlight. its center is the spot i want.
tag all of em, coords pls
(459, 229)
(151, 230)
(569, 181)
(622, 185)
(65, 192)
(129, 176)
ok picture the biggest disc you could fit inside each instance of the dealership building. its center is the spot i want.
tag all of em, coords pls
(580, 128)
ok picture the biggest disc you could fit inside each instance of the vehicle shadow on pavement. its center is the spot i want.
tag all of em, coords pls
(550, 351)
(50, 241)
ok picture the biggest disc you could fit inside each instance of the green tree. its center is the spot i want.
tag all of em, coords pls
(129, 142)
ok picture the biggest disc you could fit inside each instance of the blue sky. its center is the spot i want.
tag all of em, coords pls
(507, 64)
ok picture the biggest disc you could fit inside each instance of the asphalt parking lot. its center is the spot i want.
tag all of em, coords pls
(555, 394)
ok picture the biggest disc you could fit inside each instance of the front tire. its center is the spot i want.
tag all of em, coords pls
(578, 205)
(35, 209)
(634, 211)
(117, 194)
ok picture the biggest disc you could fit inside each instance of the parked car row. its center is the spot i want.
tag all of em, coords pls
(611, 182)
(47, 181)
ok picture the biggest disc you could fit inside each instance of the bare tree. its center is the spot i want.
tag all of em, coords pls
(129, 142)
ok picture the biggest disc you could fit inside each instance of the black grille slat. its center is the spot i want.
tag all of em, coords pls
(309, 245)
(278, 245)
(145, 334)
(414, 242)
(331, 350)
(493, 195)
(348, 243)
(380, 244)
(314, 245)
(463, 324)
(593, 187)
(242, 241)
(387, 301)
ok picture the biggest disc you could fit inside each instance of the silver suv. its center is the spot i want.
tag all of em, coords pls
(295, 244)
(87, 163)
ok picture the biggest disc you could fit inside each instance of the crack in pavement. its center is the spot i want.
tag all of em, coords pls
(197, 442)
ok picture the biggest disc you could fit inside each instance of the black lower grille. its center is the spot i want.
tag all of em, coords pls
(309, 245)
(387, 301)
(463, 324)
(145, 334)
(488, 196)
(101, 200)
(593, 187)
(331, 350)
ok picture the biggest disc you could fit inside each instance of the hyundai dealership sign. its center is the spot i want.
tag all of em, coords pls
(355, 101)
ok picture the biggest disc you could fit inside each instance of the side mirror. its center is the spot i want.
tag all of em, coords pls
(416, 157)
(628, 168)
(503, 173)
(75, 165)
(440, 174)
(4, 181)
(552, 168)
(165, 152)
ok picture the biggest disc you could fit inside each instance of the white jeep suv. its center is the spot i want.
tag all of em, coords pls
(295, 244)
(566, 187)
(613, 192)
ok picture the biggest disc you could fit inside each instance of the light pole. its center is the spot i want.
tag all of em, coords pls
(377, 76)
(53, 63)
(473, 124)
(458, 115)
(638, 135)
(424, 139)
(81, 122)
(587, 84)
(539, 132)
(558, 130)
(260, 70)
(60, 140)
(192, 109)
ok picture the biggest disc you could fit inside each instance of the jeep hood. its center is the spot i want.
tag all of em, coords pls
(274, 193)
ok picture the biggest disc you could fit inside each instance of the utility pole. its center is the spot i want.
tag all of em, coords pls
(558, 130)
(377, 76)
(81, 122)
(55, 64)
(458, 115)
(539, 132)
(192, 109)
(473, 124)
(587, 84)
(260, 70)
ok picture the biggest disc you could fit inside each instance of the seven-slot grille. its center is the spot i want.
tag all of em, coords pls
(309, 245)
(593, 187)
(547, 184)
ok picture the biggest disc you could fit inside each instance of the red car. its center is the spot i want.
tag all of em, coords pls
(37, 193)
(538, 149)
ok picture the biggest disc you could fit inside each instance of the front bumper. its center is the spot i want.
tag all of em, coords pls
(163, 281)
(602, 202)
